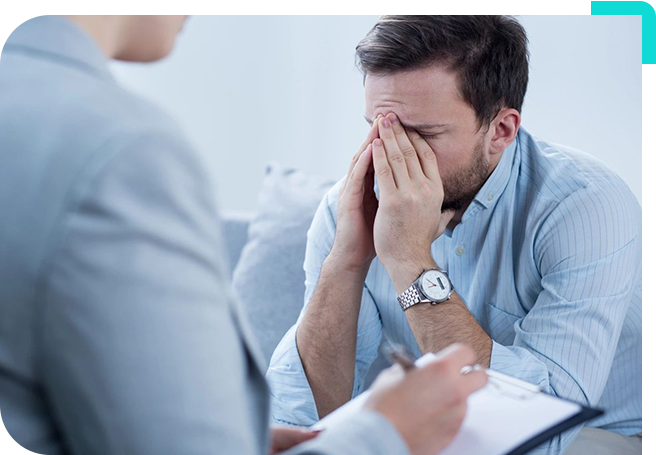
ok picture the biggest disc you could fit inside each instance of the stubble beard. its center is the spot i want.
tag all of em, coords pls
(461, 187)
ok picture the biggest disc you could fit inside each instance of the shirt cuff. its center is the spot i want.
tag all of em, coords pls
(292, 401)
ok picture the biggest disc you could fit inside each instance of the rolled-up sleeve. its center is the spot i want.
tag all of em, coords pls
(292, 401)
(588, 256)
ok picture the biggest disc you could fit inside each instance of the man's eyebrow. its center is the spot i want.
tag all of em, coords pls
(420, 127)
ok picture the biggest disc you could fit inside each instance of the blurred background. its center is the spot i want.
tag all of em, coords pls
(249, 90)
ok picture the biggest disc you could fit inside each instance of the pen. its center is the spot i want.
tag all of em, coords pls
(397, 353)
(501, 377)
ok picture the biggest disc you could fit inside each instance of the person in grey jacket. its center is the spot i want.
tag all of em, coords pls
(119, 333)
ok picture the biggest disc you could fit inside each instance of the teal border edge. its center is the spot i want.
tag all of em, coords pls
(648, 11)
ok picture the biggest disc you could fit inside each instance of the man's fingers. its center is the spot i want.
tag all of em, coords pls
(407, 149)
(382, 168)
(355, 183)
(395, 158)
(373, 134)
(426, 156)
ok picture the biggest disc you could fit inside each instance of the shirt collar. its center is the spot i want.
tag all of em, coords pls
(60, 39)
(498, 180)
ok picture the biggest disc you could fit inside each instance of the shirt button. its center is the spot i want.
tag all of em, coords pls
(460, 250)
(490, 197)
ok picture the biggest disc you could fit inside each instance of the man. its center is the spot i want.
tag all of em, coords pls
(529, 252)
(118, 330)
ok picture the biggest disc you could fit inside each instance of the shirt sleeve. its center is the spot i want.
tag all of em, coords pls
(140, 349)
(292, 401)
(588, 256)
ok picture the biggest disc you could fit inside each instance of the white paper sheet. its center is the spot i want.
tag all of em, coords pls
(500, 417)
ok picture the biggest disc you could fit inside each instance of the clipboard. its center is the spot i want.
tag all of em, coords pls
(585, 414)
(530, 390)
(507, 417)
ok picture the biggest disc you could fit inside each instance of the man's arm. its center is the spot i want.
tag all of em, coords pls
(327, 335)
(292, 397)
(588, 254)
(437, 326)
(339, 316)
(408, 221)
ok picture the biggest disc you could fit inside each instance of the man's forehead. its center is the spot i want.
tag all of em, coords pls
(430, 81)
(412, 95)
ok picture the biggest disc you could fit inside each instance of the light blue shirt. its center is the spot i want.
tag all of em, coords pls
(548, 260)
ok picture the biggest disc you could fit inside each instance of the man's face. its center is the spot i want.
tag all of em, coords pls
(429, 101)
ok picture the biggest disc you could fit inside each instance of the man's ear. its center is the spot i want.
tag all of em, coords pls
(504, 128)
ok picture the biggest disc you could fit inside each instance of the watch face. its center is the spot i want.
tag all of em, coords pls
(435, 285)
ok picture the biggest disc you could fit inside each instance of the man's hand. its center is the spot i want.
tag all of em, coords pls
(353, 248)
(409, 217)
(427, 405)
(284, 438)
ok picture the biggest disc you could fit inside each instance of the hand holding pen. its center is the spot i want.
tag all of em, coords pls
(427, 405)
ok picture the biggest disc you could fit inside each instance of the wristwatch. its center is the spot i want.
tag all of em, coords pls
(433, 286)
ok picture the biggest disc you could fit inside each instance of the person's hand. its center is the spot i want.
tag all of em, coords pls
(427, 405)
(284, 438)
(353, 248)
(409, 217)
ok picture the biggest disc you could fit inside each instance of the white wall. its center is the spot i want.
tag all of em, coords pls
(250, 90)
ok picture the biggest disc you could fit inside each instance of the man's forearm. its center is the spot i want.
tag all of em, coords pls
(327, 335)
(437, 326)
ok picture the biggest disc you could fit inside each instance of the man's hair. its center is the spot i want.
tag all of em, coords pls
(488, 53)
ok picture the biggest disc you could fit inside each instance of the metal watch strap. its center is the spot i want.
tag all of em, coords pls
(410, 297)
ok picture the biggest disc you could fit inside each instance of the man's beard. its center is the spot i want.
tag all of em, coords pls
(461, 187)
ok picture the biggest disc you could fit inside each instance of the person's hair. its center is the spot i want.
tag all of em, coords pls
(488, 53)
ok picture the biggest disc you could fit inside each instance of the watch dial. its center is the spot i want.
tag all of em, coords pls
(435, 285)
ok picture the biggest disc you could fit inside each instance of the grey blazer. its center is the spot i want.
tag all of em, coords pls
(119, 333)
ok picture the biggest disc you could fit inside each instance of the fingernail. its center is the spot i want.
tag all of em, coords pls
(378, 142)
(393, 118)
(385, 122)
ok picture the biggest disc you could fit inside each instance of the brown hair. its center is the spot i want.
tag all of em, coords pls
(489, 54)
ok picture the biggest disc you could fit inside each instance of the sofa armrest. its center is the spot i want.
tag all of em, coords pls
(235, 234)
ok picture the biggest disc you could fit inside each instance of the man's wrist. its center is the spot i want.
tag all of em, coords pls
(334, 266)
(403, 274)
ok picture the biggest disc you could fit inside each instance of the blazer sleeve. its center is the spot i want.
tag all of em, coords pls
(141, 350)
